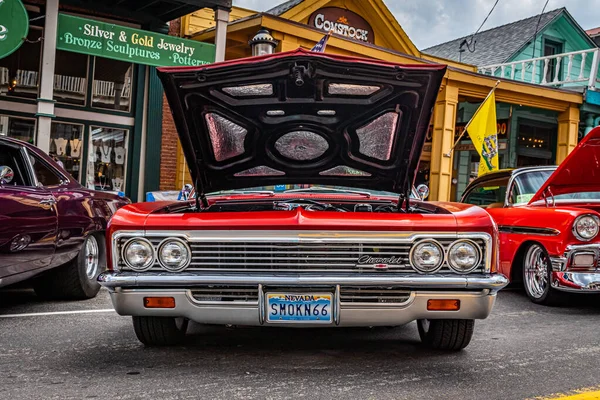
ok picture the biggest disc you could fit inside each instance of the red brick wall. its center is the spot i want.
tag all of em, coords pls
(168, 154)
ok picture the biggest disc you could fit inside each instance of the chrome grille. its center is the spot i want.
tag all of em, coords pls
(292, 255)
(225, 293)
(390, 295)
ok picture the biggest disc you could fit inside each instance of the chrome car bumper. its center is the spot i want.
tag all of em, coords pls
(567, 278)
(476, 293)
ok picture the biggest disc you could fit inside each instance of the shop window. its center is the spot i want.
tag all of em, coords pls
(20, 71)
(66, 146)
(18, 128)
(112, 85)
(535, 144)
(107, 156)
(70, 77)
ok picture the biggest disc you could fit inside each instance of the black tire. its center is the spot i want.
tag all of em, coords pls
(446, 334)
(533, 276)
(71, 281)
(160, 331)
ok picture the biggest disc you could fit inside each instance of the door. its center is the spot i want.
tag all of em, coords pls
(28, 219)
(552, 48)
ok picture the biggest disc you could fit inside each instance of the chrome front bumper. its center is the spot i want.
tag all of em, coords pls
(568, 279)
(477, 294)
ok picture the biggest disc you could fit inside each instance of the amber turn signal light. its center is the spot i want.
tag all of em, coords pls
(443, 305)
(159, 302)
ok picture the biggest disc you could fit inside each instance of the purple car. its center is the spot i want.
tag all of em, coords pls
(51, 227)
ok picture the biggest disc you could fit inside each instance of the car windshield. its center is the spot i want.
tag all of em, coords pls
(527, 184)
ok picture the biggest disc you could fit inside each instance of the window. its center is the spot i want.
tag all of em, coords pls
(527, 184)
(488, 194)
(19, 72)
(536, 144)
(107, 156)
(11, 157)
(112, 84)
(70, 77)
(18, 128)
(66, 146)
(43, 173)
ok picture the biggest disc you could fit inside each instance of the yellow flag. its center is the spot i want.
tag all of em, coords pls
(482, 129)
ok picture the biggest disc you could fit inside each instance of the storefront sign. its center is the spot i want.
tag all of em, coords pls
(14, 26)
(460, 128)
(343, 22)
(118, 42)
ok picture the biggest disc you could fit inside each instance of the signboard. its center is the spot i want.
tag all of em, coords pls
(103, 39)
(343, 22)
(459, 129)
(14, 26)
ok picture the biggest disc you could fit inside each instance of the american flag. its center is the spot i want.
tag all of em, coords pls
(320, 46)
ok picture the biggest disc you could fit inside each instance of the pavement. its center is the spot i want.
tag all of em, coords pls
(80, 350)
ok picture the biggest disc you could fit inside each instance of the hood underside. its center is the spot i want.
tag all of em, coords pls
(579, 172)
(302, 117)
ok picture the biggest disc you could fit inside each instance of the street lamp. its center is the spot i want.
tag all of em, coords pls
(262, 43)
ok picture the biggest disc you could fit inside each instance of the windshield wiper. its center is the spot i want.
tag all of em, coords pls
(242, 192)
(318, 189)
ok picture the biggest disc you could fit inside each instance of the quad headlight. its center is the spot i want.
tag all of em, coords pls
(464, 256)
(586, 227)
(174, 255)
(138, 254)
(427, 256)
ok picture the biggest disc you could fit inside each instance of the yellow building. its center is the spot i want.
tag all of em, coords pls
(368, 29)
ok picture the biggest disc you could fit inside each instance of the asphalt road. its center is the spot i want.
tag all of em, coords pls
(521, 351)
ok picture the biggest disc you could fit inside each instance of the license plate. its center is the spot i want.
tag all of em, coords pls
(299, 307)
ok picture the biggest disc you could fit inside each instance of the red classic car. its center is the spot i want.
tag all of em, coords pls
(51, 227)
(548, 221)
(313, 256)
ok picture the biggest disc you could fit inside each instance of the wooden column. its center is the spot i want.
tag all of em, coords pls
(444, 121)
(568, 131)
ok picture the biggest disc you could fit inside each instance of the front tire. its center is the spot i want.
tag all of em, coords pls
(537, 276)
(76, 280)
(446, 334)
(160, 331)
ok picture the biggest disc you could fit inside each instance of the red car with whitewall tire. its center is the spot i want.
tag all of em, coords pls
(548, 218)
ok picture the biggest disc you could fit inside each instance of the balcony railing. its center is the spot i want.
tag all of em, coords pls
(575, 70)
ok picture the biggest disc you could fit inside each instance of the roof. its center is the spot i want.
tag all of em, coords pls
(283, 7)
(593, 32)
(496, 45)
(147, 12)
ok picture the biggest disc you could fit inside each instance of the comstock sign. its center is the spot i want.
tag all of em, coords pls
(343, 22)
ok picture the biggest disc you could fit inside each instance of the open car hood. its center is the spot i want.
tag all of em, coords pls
(579, 172)
(302, 117)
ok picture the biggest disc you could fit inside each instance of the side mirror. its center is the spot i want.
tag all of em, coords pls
(423, 191)
(6, 174)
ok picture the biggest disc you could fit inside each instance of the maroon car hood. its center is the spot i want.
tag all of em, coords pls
(302, 117)
(579, 172)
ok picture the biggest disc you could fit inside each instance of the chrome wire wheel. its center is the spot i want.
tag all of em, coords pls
(536, 271)
(91, 257)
